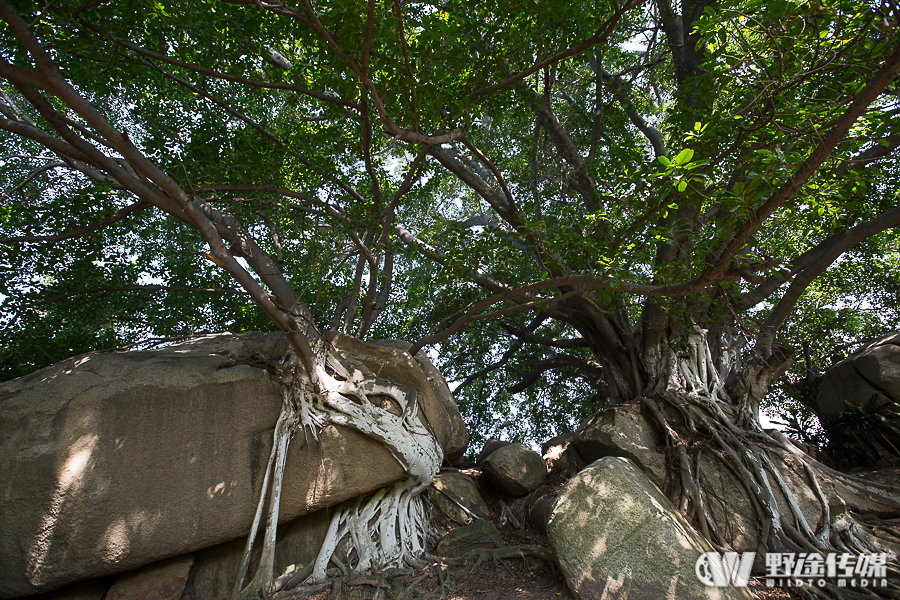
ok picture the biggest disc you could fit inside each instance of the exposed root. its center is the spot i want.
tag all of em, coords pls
(387, 530)
(760, 462)
(478, 555)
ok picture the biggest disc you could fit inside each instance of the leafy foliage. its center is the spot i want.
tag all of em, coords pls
(723, 166)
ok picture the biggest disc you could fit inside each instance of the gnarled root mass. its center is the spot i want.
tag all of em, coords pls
(697, 415)
(386, 530)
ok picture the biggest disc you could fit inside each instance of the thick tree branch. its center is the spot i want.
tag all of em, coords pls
(555, 362)
(451, 161)
(825, 259)
(173, 199)
(530, 337)
(879, 82)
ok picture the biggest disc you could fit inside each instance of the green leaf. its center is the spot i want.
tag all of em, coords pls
(684, 157)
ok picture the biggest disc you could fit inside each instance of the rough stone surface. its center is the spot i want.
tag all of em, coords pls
(215, 569)
(616, 536)
(515, 469)
(110, 462)
(873, 371)
(562, 457)
(161, 581)
(489, 447)
(622, 431)
(462, 540)
(94, 589)
(449, 490)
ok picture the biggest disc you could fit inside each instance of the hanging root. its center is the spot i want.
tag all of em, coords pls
(726, 428)
(388, 529)
(759, 463)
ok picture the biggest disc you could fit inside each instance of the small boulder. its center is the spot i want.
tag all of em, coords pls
(451, 490)
(515, 469)
(561, 441)
(616, 535)
(489, 447)
(462, 540)
(161, 581)
(539, 513)
(561, 456)
(622, 431)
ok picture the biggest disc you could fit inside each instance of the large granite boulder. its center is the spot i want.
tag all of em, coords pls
(870, 377)
(617, 536)
(515, 469)
(733, 511)
(623, 430)
(109, 462)
(560, 442)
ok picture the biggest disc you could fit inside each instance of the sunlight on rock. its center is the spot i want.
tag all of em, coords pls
(144, 521)
(68, 481)
(614, 585)
(116, 543)
(213, 491)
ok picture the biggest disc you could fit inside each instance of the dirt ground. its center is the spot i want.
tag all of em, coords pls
(510, 579)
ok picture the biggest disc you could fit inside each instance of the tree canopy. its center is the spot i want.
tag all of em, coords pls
(555, 197)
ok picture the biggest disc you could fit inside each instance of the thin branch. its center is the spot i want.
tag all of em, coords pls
(395, 130)
(599, 38)
(135, 288)
(511, 295)
(653, 135)
(218, 74)
(117, 216)
(566, 147)
(34, 173)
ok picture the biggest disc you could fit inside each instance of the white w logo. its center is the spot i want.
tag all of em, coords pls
(719, 570)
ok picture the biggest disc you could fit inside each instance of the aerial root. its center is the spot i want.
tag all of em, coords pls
(390, 528)
(767, 468)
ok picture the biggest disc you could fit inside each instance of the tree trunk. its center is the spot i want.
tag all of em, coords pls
(705, 403)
